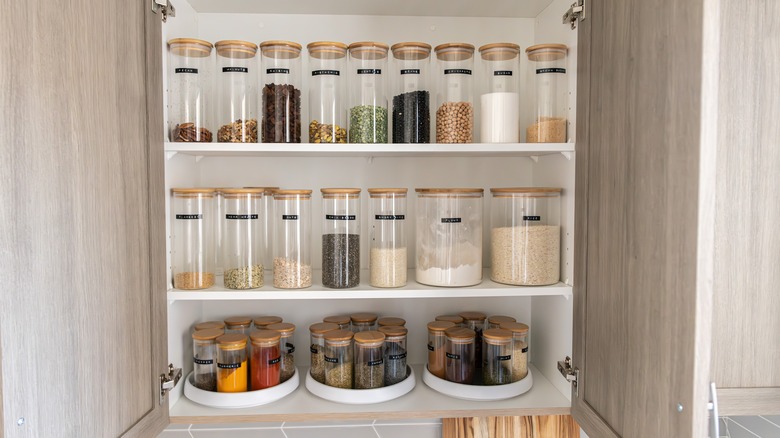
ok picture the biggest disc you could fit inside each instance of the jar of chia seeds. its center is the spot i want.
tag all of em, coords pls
(497, 362)
(495, 321)
(519, 349)
(363, 321)
(281, 95)
(242, 230)
(327, 92)
(395, 353)
(548, 70)
(189, 90)
(232, 364)
(292, 239)
(236, 92)
(204, 357)
(387, 258)
(265, 362)
(339, 362)
(287, 346)
(455, 103)
(436, 344)
(343, 321)
(369, 360)
(192, 240)
(340, 238)
(317, 334)
(412, 96)
(459, 347)
(368, 95)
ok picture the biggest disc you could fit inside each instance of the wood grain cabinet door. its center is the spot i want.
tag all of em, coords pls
(82, 312)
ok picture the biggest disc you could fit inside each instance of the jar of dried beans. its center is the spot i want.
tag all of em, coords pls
(281, 94)
(412, 97)
(387, 259)
(189, 90)
(368, 98)
(236, 91)
(192, 246)
(455, 110)
(292, 239)
(548, 70)
(327, 92)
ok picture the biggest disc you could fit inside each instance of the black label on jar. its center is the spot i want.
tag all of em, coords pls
(229, 365)
(277, 71)
(502, 72)
(373, 363)
(450, 220)
(187, 217)
(290, 348)
(340, 217)
(186, 70)
(275, 361)
(390, 217)
(241, 216)
(397, 356)
(203, 361)
(524, 350)
(540, 71)
(453, 356)
(325, 72)
(457, 71)
(289, 217)
(532, 218)
(430, 348)
(235, 70)
(314, 350)
(331, 359)
(504, 357)
(369, 71)
(410, 71)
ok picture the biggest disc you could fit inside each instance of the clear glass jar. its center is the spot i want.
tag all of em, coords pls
(390, 321)
(449, 237)
(500, 101)
(519, 349)
(232, 365)
(548, 68)
(262, 322)
(207, 325)
(457, 320)
(369, 360)
(192, 258)
(242, 231)
(204, 357)
(238, 324)
(394, 353)
(339, 362)
(340, 238)
(281, 95)
(455, 110)
(236, 93)
(525, 236)
(361, 322)
(189, 88)
(459, 351)
(367, 97)
(497, 363)
(317, 335)
(495, 321)
(265, 362)
(475, 321)
(436, 343)
(287, 345)
(292, 239)
(219, 214)
(343, 321)
(387, 259)
(268, 213)
(412, 96)
(327, 92)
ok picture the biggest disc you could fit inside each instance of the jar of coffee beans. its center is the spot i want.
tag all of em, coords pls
(281, 94)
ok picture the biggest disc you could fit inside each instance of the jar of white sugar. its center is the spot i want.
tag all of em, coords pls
(500, 100)
(387, 258)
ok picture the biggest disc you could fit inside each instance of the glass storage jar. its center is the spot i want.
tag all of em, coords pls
(459, 363)
(268, 208)
(265, 363)
(412, 96)
(292, 239)
(232, 367)
(343, 321)
(436, 351)
(525, 236)
(281, 95)
(242, 231)
(317, 335)
(449, 237)
(339, 359)
(238, 324)
(390, 321)
(327, 92)
(189, 88)
(387, 258)
(455, 110)
(192, 258)
(340, 238)
(204, 357)
(206, 325)
(497, 362)
(236, 98)
(219, 214)
(287, 345)
(495, 321)
(367, 97)
(262, 322)
(457, 320)
(394, 354)
(500, 100)
(519, 349)
(369, 360)
(548, 68)
(361, 322)
(476, 322)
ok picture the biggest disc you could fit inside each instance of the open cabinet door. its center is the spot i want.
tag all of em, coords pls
(82, 312)
(641, 343)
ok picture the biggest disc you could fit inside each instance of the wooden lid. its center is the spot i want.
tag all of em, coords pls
(323, 327)
(546, 52)
(363, 317)
(264, 336)
(497, 334)
(340, 191)
(500, 319)
(190, 47)
(238, 321)
(509, 191)
(283, 193)
(236, 49)
(236, 340)
(454, 191)
(280, 49)
(472, 316)
(282, 327)
(384, 193)
(337, 319)
(451, 318)
(393, 331)
(411, 51)
(209, 325)
(207, 192)
(454, 51)
(515, 327)
(338, 335)
(208, 334)
(272, 43)
(327, 50)
(369, 337)
(263, 321)
(440, 326)
(499, 51)
(460, 333)
(387, 321)
(368, 50)
(237, 193)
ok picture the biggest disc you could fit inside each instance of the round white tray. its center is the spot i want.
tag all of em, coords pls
(361, 396)
(240, 399)
(478, 392)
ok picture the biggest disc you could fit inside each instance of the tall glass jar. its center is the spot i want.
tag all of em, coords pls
(519, 349)
(449, 237)
(457, 320)
(232, 365)
(500, 101)
(287, 345)
(206, 325)
(242, 231)
(363, 321)
(368, 98)
(189, 88)
(343, 321)
(495, 321)
(292, 239)
(265, 362)
(387, 258)
(394, 353)
(327, 92)
(548, 68)
(204, 357)
(317, 334)
(236, 98)
(525, 235)
(262, 322)
(369, 360)
(475, 321)
(340, 238)
(390, 321)
(238, 324)
(497, 359)
(412, 96)
(192, 257)
(455, 110)
(268, 209)
(459, 364)
(281, 95)
(436, 344)
(339, 361)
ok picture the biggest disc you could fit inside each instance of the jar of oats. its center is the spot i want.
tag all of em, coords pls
(292, 244)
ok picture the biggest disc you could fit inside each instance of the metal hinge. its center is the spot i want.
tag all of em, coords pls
(571, 374)
(165, 8)
(575, 12)
(169, 381)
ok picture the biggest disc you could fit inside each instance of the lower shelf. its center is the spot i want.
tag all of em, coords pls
(421, 402)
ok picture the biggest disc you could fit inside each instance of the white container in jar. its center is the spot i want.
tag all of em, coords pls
(368, 95)
(327, 92)
(455, 110)
(500, 100)
(548, 68)
(280, 103)
(242, 231)
(525, 235)
(292, 246)
(387, 258)
(189, 88)
(192, 247)
(340, 237)
(412, 93)
(236, 91)
(449, 236)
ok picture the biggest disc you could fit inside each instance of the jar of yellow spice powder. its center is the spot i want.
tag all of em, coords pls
(232, 368)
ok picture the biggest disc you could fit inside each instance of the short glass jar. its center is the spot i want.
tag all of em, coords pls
(455, 110)
(436, 344)
(457, 320)
(519, 349)
(369, 360)
(340, 238)
(206, 325)
(412, 97)
(387, 258)
(238, 324)
(236, 91)
(192, 240)
(327, 92)
(232, 365)
(497, 362)
(394, 353)
(292, 239)
(343, 321)
(204, 357)
(262, 322)
(339, 362)
(363, 321)
(265, 363)
(500, 100)
(317, 335)
(390, 321)
(189, 90)
(476, 322)
(287, 346)
(367, 96)
(281, 95)
(548, 69)
(495, 321)
(460, 354)
(242, 231)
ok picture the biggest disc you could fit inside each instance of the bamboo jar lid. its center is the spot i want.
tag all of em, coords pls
(264, 321)
(440, 326)
(337, 319)
(238, 321)
(322, 327)
(363, 317)
(208, 334)
(339, 335)
(209, 325)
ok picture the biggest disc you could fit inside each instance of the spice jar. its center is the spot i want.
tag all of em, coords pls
(525, 235)
(189, 83)
(411, 99)
(232, 368)
(262, 322)
(192, 258)
(457, 320)
(369, 360)
(436, 343)
(317, 334)
(500, 101)
(390, 321)
(264, 367)
(497, 362)
(206, 325)
(242, 230)
(519, 349)
(286, 330)
(236, 101)
(292, 239)
(340, 238)
(548, 68)
(387, 258)
(281, 95)
(459, 363)
(238, 324)
(204, 357)
(455, 111)
(361, 322)
(339, 359)
(367, 100)
(495, 321)
(394, 354)
(343, 321)
(327, 92)
(449, 237)
(476, 322)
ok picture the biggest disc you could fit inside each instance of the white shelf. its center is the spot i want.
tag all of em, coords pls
(421, 402)
(487, 288)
